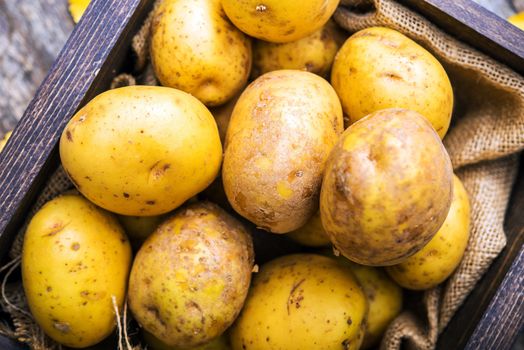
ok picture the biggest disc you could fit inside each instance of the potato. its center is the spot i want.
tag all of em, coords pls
(302, 301)
(141, 150)
(379, 68)
(222, 115)
(314, 53)
(190, 278)
(384, 300)
(75, 259)
(517, 20)
(279, 137)
(3, 141)
(138, 228)
(196, 49)
(440, 257)
(220, 343)
(312, 234)
(387, 188)
(279, 21)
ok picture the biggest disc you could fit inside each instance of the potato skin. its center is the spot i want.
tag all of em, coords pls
(314, 53)
(132, 150)
(3, 141)
(196, 49)
(279, 137)
(222, 115)
(220, 343)
(441, 256)
(75, 257)
(209, 256)
(312, 234)
(387, 188)
(302, 301)
(279, 21)
(379, 68)
(138, 228)
(384, 300)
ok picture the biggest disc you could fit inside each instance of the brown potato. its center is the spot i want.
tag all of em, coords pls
(387, 188)
(191, 276)
(279, 137)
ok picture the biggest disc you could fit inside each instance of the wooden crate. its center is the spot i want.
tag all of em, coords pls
(492, 315)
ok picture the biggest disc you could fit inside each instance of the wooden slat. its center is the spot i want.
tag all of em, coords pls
(473, 24)
(85, 65)
(504, 317)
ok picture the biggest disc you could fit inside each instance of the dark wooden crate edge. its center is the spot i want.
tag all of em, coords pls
(477, 26)
(29, 134)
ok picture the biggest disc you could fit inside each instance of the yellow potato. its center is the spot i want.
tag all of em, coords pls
(387, 188)
(196, 49)
(141, 150)
(77, 8)
(138, 228)
(302, 301)
(279, 21)
(75, 259)
(384, 299)
(190, 278)
(517, 20)
(279, 137)
(3, 141)
(220, 343)
(222, 115)
(312, 234)
(314, 53)
(379, 68)
(441, 256)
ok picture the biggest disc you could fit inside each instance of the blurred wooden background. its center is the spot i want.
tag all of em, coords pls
(32, 32)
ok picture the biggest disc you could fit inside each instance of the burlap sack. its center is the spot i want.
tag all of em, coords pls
(484, 141)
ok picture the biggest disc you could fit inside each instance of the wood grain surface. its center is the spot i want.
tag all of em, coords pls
(32, 32)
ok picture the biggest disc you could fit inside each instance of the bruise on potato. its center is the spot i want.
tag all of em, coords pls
(190, 278)
(387, 188)
(279, 137)
(302, 301)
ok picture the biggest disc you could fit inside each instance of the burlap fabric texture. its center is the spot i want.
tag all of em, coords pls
(484, 141)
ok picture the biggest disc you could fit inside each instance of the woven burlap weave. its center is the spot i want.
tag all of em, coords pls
(486, 136)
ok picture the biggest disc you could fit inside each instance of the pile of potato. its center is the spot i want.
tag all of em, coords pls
(382, 192)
